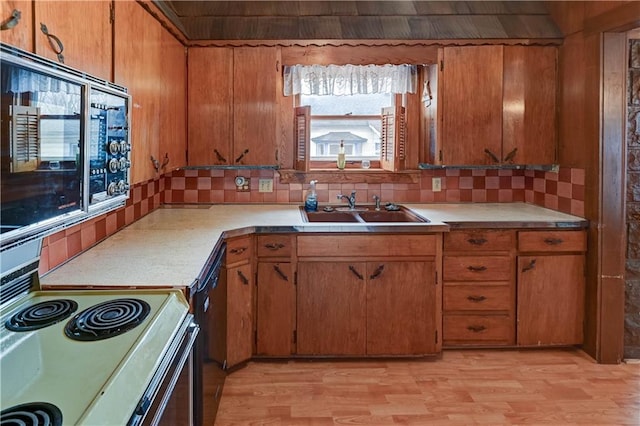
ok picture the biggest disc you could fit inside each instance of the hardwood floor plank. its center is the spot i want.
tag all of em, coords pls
(535, 386)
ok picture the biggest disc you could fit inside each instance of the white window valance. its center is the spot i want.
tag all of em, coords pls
(349, 79)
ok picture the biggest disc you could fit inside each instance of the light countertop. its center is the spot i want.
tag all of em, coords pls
(170, 246)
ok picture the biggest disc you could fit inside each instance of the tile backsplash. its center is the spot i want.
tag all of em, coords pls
(562, 191)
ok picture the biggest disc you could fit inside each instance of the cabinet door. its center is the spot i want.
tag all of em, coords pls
(173, 135)
(210, 105)
(529, 115)
(255, 105)
(471, 103)
(401, 315)
(550, 300)
(239, 315)
(137, 66)
(20, 35)
(331, 308)
(84, 29)
(275, 310)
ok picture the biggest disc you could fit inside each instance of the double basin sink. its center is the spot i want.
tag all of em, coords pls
(363, 214)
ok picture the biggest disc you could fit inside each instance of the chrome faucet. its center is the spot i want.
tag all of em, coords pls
(377, 201)
(351, 200)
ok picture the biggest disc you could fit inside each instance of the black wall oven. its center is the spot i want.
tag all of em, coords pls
(64, 145)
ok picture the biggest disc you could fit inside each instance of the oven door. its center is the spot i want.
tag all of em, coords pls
(169, 399)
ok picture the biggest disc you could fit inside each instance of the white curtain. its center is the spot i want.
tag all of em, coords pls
(349, 79)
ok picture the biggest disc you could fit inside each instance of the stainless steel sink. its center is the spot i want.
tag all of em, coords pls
(362, 214)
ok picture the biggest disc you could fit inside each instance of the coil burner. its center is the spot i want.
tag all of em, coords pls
(41, 315)
(107, 319)
(32, 414)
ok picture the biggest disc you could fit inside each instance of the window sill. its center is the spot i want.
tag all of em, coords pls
(349, 176)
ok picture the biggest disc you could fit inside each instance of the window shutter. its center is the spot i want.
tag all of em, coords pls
(302, 137)
(25, 138)
(393, 135)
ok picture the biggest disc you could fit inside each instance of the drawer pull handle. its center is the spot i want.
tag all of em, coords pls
(476, 298)
(553, 241)
(530, 266)
(476, 328)
(356, 273)
(245, 280)
(377, 272)
(219, 156)
(274, 247)
(477, 268)
(238, 250)
(477, 241)
(279, 272)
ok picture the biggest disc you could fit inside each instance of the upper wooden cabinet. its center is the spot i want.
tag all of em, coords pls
(233, 106)
(173, 104)
(153, 69)
(85, 47)
(497, 105)
(210, 98)
(21, 34)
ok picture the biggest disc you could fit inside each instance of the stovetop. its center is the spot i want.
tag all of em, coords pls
(90, 381)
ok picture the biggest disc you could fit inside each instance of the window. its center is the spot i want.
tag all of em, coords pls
(356, 105)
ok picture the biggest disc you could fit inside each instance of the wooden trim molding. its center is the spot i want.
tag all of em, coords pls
(622, 18)
(349, 176)
(374, 42)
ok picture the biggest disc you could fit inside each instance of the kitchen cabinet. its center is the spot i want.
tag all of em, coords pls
(551, 287)
(87, 48)
(20, 34)
(153, 70)
(276, 296)
(173, 105)
(497, 105)
(232, 305)
(210, 100)
(233, 106)
(368, 295)
(479, 287)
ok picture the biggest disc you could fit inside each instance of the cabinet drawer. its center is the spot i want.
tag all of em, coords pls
(367, 245)
(477, 297)
(274, 245)
(552, 241)
(477, 268)
(478, 329)
(479, 240)
(239, 250)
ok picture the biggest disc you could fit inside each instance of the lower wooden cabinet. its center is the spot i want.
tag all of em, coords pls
(232, 320)
(367, 308)
(551, 287)
(275, 309)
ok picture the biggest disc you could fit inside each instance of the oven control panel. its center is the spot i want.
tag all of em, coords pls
(109, 147)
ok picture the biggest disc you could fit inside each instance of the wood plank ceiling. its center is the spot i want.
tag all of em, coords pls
(382, 20)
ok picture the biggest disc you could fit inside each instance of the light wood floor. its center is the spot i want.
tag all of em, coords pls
(559, 386)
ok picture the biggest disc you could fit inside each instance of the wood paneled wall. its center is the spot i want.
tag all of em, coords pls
(588, 139)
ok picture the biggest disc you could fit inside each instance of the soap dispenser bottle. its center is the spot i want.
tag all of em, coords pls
(311, 202)
(341, 156)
